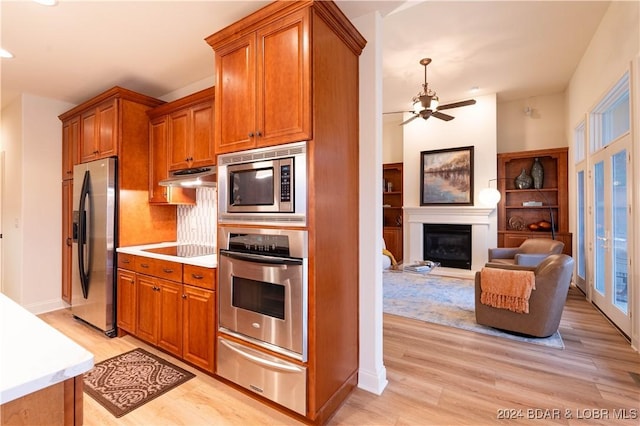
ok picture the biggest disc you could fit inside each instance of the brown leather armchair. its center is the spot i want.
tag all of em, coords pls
(531, 252)
(546, 303)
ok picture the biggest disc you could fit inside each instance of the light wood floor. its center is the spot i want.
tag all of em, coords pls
(437, 376)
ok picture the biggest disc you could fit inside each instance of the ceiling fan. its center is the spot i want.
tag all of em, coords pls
(427, 104)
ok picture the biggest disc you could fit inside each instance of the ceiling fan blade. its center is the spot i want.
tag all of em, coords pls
(408, 120)
(457, 104)
(396, 112)
(442, 116)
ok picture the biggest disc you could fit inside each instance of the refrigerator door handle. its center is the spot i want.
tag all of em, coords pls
(82, 235)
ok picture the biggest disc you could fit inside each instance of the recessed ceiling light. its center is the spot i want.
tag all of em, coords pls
(5, 54)
(47, 2)
(474, 89)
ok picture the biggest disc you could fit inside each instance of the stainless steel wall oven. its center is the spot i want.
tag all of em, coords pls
(263, 276)
(263, 287)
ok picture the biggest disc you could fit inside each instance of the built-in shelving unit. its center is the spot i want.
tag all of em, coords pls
(392, 208)
(520, 210)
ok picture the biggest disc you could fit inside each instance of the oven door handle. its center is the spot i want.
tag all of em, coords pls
(245, 353)
(268, 260)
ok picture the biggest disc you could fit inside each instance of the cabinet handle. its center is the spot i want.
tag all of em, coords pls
(68, 241)
(126, 261)
(184, 296)
(96, 152)
(132, 281)
(167, 270)
(197, 277)
(144, 265)
(258, 133)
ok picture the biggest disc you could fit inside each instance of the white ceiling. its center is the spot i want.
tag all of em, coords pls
(77, 49)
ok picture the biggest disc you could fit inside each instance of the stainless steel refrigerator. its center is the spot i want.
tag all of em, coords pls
(94, 243)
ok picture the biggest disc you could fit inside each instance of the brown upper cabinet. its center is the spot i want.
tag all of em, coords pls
(180, 137)
(189, 130)
(94, 127)
(98, 131)
(70, 138)
(263, 82)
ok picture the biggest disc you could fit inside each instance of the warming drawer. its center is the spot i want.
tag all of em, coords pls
(274, 378)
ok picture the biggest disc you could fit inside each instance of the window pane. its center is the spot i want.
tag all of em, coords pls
(601, 241)
(578, 142)
(615, 121)
(610, 118)
(581, 228)
(619, 203)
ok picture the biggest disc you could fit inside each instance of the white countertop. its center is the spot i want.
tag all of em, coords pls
(210, 261)
(33, 354)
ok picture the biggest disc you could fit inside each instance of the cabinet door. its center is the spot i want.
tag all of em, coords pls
(283, 81)
(158, 168)
(88, 143)
(67, 224)
(179, 135)
(126, 303)
(199, 327)
(170, 316)
(147, 308)
(70, 137)
(98, 132)
(202, 149)
(107, 132)
(393, 240)
(235, 103)
(157, 160)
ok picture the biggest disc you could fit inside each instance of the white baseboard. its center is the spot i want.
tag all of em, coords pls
(46, 306)
(371, 382)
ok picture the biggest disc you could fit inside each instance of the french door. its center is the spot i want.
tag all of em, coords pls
(611, 219)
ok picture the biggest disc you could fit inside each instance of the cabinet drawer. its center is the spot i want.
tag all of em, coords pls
(200, 276)
(159, 268)
(126, 261)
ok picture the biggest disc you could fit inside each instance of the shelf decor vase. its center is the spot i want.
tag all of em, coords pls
(537, 173)
(523, 181)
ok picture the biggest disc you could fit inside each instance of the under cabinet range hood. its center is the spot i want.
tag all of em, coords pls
(191, 178)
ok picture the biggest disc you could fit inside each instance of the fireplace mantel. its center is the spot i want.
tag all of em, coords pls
(477, 217)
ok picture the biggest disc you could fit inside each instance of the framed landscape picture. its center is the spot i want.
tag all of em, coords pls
(446, 176)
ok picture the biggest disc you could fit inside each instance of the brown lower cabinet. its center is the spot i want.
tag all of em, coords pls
(58, 404)
(176, 316)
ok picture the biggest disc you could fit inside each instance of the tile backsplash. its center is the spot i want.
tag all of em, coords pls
(197, 224)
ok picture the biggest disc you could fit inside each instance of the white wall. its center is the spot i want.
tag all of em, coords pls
(615, 48)
(541, 128)
(12, 201)
(392, 143)
(474, 125)
(32, 202)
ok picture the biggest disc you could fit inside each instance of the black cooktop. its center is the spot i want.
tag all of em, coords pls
(184, 250)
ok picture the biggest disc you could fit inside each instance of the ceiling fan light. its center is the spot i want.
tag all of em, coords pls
(417, 106)
(434, 102)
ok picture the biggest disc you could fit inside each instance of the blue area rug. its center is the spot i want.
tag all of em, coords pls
(443, 300)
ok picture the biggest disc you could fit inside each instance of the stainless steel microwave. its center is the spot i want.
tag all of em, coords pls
(264, 185)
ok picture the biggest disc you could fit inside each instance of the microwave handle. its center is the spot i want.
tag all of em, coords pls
(268, 260)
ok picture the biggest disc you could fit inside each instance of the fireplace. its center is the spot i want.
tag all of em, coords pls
(448, 244)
